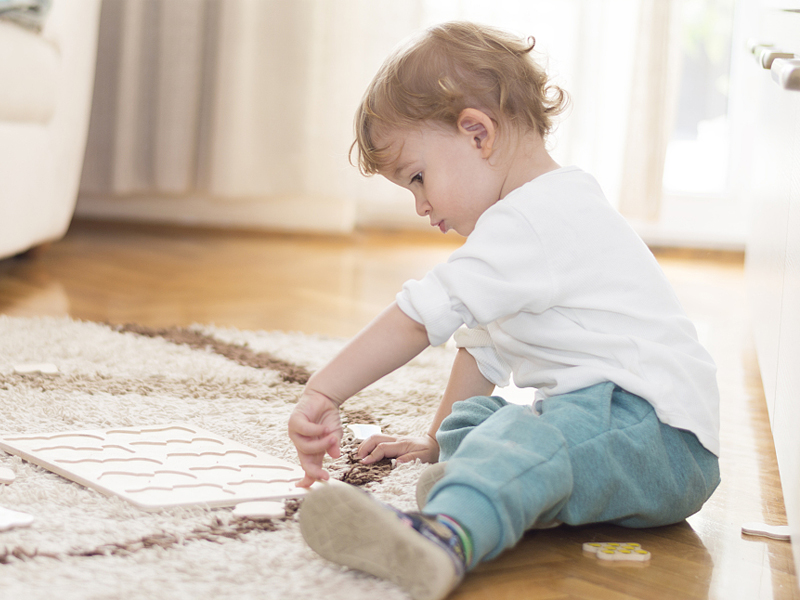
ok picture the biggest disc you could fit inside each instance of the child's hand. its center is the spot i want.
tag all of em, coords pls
(404, 449)
(315, 428)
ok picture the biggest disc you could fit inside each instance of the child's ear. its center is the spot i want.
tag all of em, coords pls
(480, 128)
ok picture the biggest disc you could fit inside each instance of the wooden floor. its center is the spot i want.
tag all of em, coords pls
(162, 276)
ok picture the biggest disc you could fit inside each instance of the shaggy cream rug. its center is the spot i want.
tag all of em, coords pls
(237, 384)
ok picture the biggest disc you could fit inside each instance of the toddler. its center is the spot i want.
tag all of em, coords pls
(551, 287)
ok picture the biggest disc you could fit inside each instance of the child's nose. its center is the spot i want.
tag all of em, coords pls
(423, 208)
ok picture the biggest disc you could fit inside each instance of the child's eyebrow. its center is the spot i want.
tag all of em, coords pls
(400, 169)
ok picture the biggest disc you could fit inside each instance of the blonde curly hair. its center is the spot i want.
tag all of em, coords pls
(450, 67)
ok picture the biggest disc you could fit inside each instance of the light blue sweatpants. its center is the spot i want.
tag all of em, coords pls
(595, 455)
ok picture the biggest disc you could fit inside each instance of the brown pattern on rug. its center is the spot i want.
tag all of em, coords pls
(358, 415)
(359, 474)
(242, 355)
(214, 531)
(107, 378)
(353, 471)
(211, 389)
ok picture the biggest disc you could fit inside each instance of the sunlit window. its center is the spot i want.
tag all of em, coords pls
(697, 154)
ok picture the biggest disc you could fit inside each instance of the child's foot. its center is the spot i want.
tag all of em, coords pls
(427, 480)
(415, 551)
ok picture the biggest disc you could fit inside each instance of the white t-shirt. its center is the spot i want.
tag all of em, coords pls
(557, 289)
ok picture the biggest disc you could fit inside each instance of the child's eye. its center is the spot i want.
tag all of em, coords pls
(417, 178)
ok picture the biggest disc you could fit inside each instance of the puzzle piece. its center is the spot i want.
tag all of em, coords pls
(7, 475)
(161, 466)
(776, 532)
(260, 510)
(42, 368)
(617, 551)
(12, 518)
(362, 432)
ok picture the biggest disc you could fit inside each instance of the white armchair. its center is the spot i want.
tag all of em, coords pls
(46, 84)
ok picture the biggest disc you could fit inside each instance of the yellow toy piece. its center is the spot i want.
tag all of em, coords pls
(617, 551)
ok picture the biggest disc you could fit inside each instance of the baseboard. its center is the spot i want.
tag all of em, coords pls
(285, 213)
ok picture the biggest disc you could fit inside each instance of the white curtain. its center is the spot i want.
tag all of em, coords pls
(654, 93)
(233, 112)
(239, 112)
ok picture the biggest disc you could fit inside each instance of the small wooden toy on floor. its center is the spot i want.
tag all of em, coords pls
(617, 551)
(776, 532)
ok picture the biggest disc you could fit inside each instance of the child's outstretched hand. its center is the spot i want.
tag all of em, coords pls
(315, 428)
(404, 449)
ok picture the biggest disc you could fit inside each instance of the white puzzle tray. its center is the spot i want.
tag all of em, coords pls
(161, 466)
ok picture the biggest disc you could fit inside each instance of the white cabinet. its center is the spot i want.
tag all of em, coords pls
(773, 251)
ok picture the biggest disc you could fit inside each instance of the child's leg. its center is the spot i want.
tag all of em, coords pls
(464, 417)
(497, 480)
(595, 455)
(651, 474)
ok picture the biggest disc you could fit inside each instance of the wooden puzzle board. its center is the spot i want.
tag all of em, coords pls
(161, 466)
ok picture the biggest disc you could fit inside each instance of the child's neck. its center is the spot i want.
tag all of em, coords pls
(528, 161)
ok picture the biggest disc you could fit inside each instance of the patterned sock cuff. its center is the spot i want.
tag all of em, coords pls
(463, 535)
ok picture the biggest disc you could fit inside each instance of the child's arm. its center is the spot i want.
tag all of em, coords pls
(388, 342)
(465, 381)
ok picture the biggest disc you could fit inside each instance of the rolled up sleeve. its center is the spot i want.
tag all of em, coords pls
(427, 302)
(479, 344)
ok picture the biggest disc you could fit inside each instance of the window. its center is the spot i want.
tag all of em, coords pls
(697, 154)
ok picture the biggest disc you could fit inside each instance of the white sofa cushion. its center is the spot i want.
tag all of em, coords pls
(40, 162)
(28, 75)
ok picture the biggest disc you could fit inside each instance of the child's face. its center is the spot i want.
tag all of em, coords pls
(448, 173)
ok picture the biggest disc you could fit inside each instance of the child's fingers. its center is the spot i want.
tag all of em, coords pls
(310, 452)
(316, 445)
(308, 480)
(423, 455)
(334, 449)
(404, 450)
(384, 450)
(303, 427)
(312, 466)
(368, 445)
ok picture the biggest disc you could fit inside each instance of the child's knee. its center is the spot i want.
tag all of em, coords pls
(472, 412)
(464, 417)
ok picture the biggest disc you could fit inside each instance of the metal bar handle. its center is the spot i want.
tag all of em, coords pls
(765, 54)
(786, 72)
